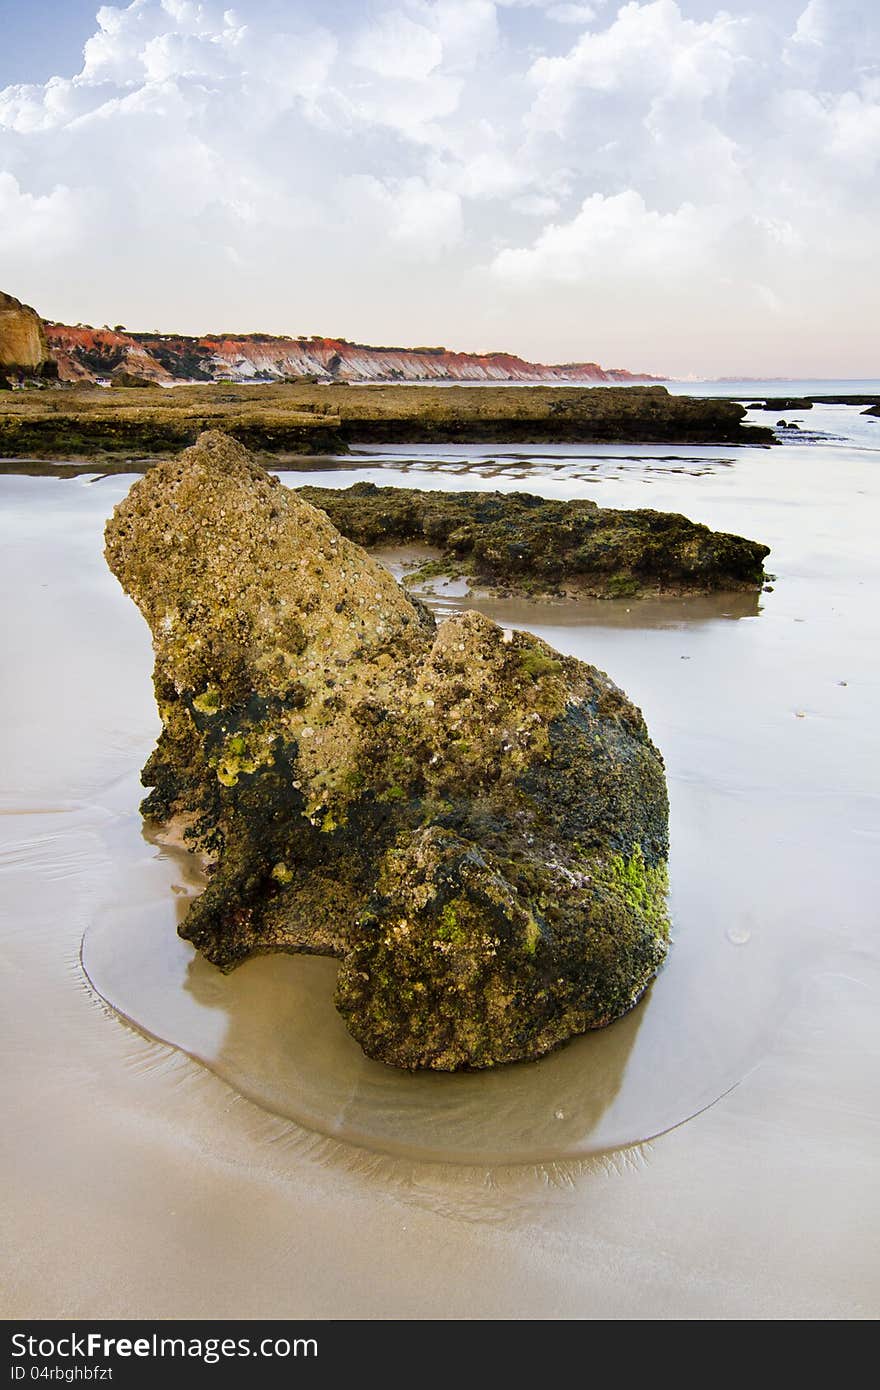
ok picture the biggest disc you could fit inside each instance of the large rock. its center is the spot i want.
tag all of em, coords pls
(22, 338)
(474, 824)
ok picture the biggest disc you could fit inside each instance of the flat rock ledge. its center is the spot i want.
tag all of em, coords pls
(79, 421)
(526, 544)
(475, 825)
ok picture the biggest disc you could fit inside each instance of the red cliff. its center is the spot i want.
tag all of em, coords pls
(89, 354)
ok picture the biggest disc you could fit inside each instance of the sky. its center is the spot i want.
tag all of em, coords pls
(665, 185)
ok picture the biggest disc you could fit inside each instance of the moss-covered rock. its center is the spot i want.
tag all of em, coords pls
(521, 542)
(475, 825)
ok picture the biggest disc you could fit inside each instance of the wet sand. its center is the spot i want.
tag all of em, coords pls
(711, 1155)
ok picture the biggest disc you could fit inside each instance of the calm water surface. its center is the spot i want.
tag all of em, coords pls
(764, 707)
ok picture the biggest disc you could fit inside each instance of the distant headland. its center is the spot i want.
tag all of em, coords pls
(80, 352)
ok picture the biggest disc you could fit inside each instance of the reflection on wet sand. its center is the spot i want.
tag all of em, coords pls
(470, 462)
(534, 465)
(286, 1048)
(270, 1029)
(630, 614)
(470, 466)
(448, 596)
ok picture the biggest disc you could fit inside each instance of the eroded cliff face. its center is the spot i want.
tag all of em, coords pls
(474, 824)
(23, 346)
(95, 354)
(80, 352)
(88, 354)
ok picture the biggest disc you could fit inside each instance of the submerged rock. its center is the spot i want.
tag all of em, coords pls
(527, 543)
(475, 825)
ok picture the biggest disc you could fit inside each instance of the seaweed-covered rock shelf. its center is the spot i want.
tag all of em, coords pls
(276, 420)
(528, 544)
(475, 825)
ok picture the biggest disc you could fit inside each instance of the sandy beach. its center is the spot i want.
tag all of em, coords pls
(185, 1144)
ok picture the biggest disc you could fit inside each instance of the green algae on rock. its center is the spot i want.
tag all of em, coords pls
(475, 825)
(521, 542)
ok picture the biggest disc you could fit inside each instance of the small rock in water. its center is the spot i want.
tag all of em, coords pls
(474, 824)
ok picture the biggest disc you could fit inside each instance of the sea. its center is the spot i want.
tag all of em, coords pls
(747, 389)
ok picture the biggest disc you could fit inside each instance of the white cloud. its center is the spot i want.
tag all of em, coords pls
(414, 217)
(398, 47)
(571, 14)
(36, 225)
(535, 205)
(461, 170)
(467, 29)
(617, 237)
(487, 173)
(813, 24)
(855, 131)
(849, 25)
(648, 51)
